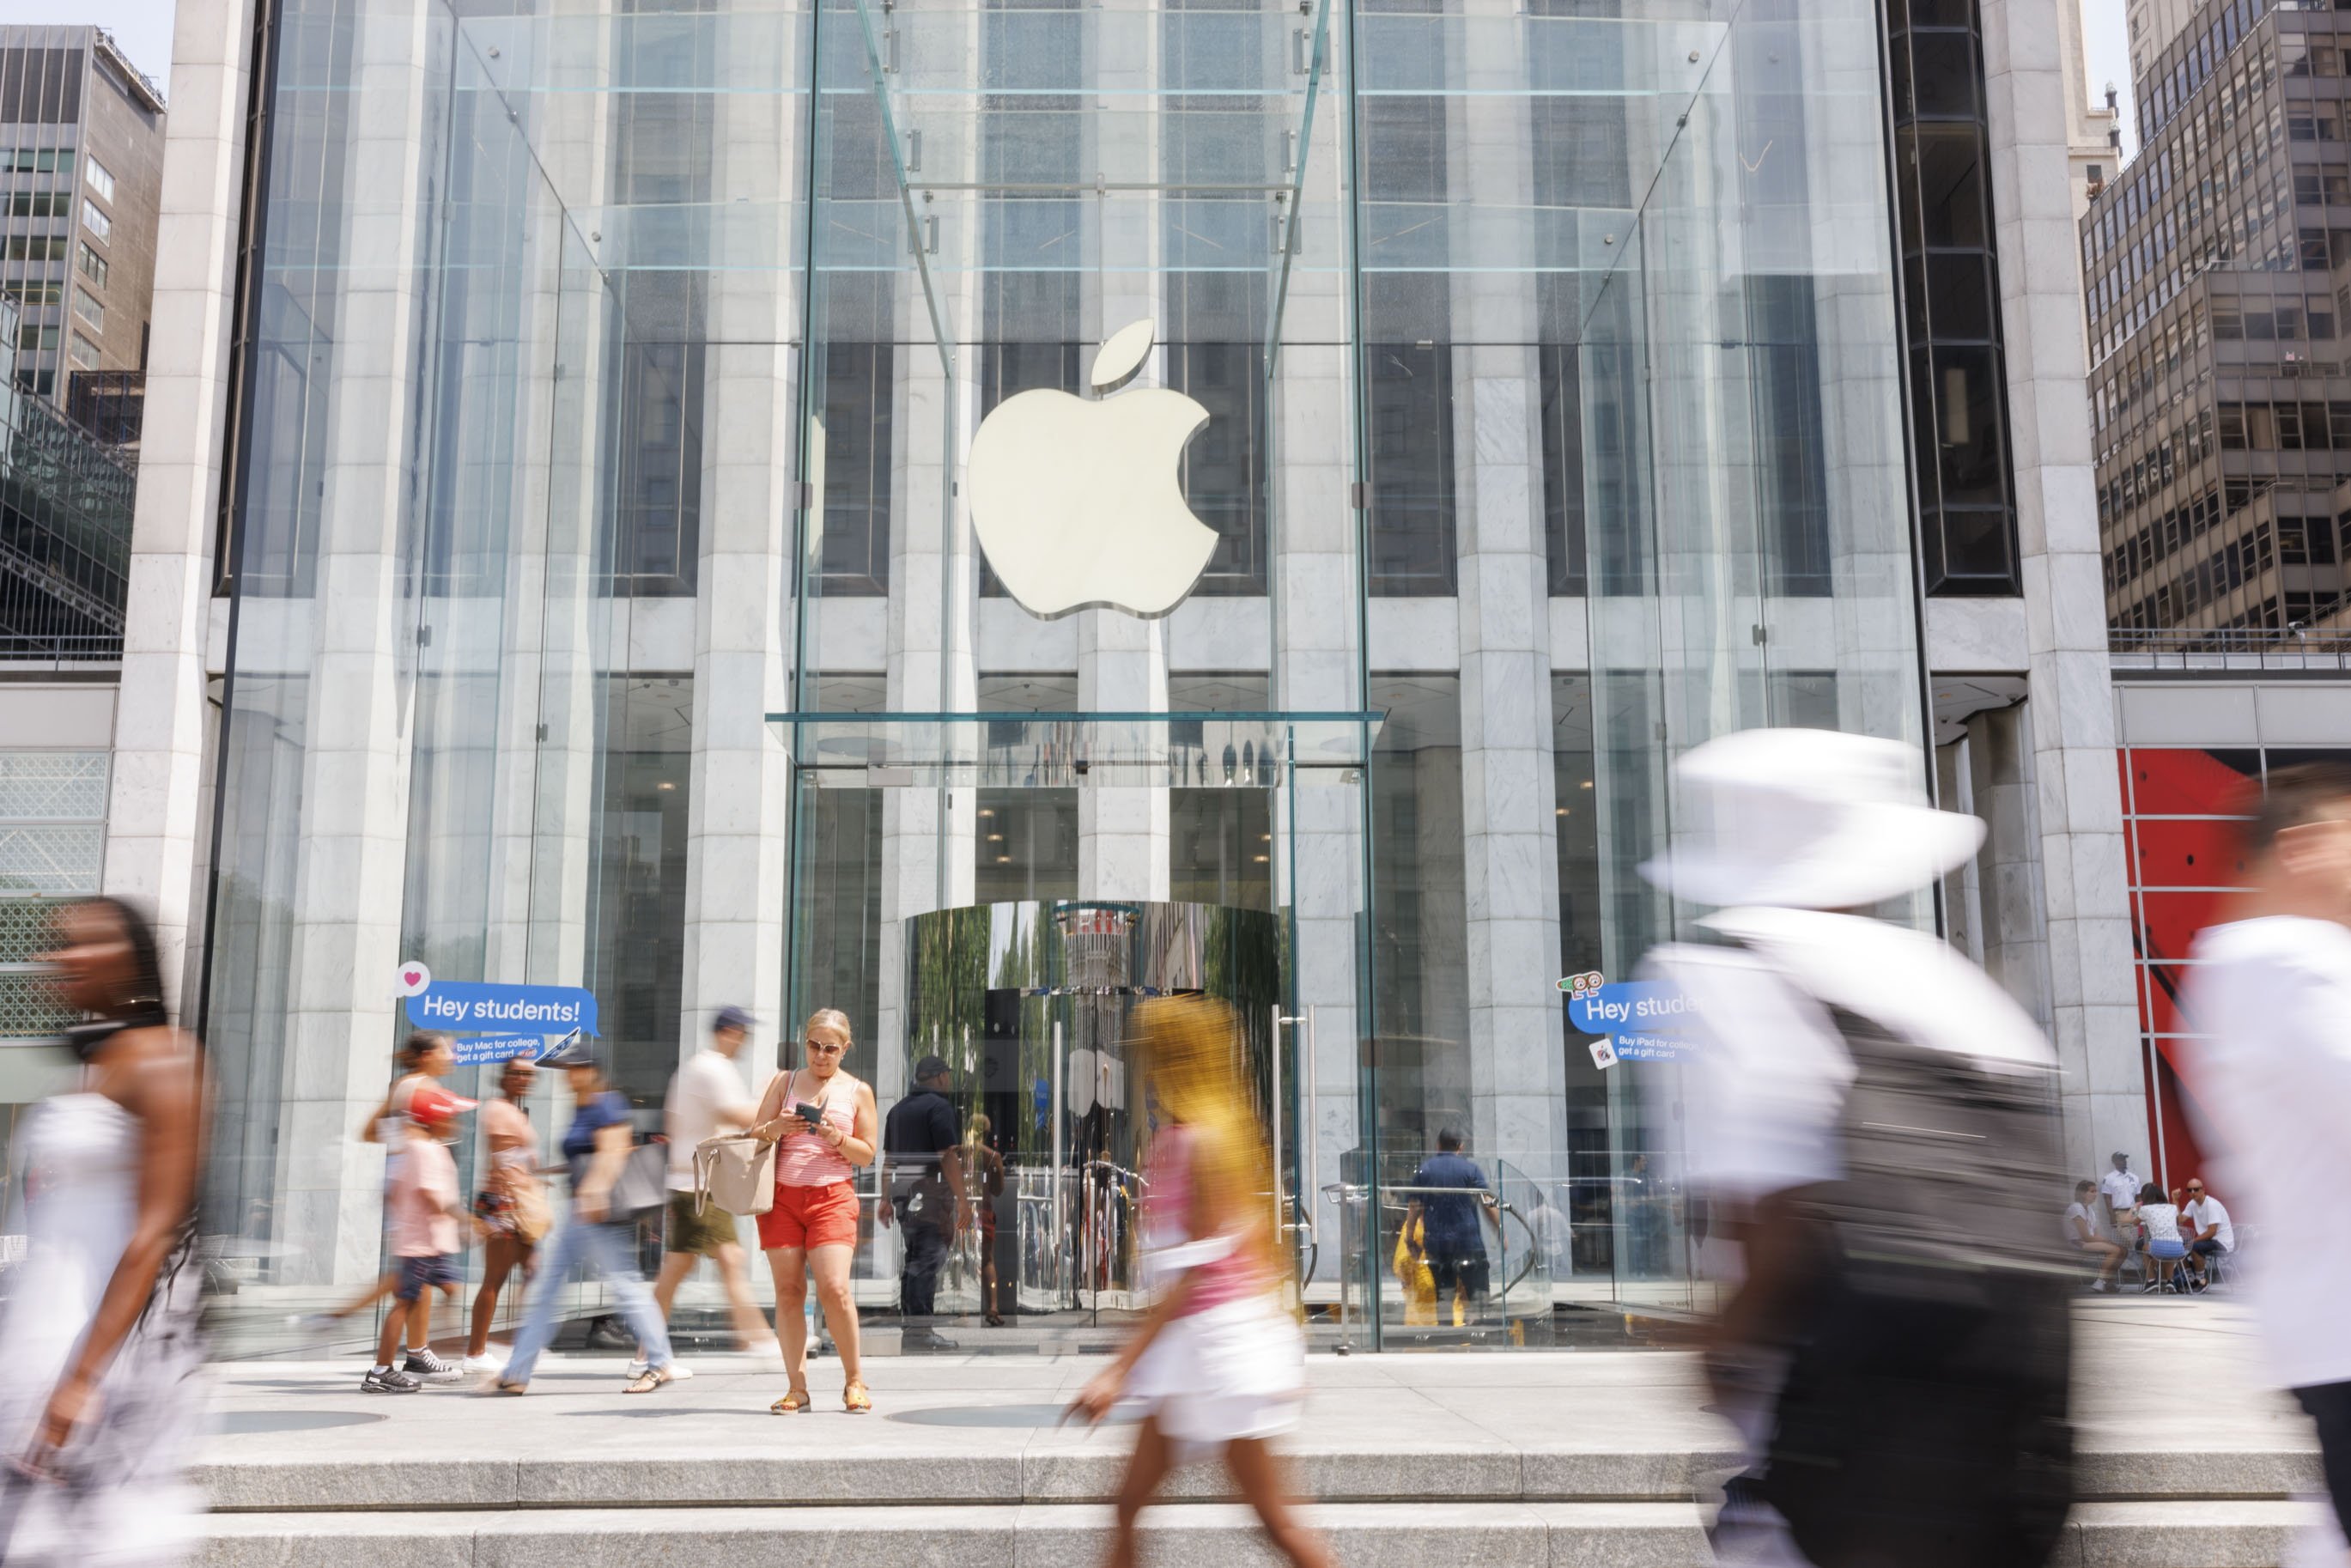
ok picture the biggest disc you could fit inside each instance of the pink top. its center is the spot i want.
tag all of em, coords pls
(423, 1191)
(806, 1160)
(1166, 1223)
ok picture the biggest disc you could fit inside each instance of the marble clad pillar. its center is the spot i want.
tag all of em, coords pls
(352, 851)
(155, 820)
(737, 882)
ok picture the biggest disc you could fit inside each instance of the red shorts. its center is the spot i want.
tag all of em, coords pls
(807, 1216)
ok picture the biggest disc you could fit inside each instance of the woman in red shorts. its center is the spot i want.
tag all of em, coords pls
(812, 1231)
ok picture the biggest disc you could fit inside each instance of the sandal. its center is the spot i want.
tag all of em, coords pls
(854, 1398)
(499, 1385)
(793, 1403)
(651, 1378)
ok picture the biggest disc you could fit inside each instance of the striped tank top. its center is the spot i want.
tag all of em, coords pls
(806, 1160)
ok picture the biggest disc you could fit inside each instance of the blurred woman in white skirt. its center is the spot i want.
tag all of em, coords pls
(1218, 1363)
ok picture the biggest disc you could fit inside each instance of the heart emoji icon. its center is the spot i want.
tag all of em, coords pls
(415, 979)
(410, 977)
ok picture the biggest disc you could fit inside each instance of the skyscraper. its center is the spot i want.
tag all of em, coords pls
(2217, 274)
(81, 168)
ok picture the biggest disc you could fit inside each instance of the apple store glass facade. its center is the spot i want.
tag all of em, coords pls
(614, 605)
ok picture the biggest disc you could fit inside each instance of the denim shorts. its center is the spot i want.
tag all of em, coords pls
(418, 1275)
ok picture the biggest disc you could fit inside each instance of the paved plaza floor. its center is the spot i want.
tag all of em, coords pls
(2171, 1408)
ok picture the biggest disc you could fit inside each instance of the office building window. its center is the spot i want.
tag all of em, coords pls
(101, 178)
(93, 266)
(32, 338)
(89, 309)
(95, 221)
(82, 351)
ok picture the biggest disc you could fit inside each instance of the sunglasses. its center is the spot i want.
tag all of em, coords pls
(822, 1049)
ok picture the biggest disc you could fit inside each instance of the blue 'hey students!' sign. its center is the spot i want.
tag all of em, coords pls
(1642, 1021)
(472, 1007)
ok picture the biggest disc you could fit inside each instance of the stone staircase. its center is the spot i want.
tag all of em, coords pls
(1544, 1460)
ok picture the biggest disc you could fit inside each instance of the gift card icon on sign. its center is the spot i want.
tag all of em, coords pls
(1604, 1052)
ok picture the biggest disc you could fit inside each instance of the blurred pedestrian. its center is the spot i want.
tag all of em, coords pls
(2270, 993)
(511, 1208)
(1217, 1361)
(825, 1125)
(597, 1144)
(102, 1403)
(424, 1059)
(917, 1194)
(1857, 1085)
(425, 1205)
(706, 1097)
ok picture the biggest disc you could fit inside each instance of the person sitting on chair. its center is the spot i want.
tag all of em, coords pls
(2159, 1223)
(2210, 1234)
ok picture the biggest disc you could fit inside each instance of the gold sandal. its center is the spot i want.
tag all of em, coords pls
(648, 1380)
(854, 1397)
(793, 1403)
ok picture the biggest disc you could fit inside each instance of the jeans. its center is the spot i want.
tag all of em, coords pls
(609, 1253)
(918, 1281)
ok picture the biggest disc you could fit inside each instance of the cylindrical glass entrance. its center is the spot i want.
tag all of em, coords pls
(1028, 1004)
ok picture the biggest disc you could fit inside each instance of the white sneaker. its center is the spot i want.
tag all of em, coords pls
(769, 1352)
(484, 1362)
(677, 1370)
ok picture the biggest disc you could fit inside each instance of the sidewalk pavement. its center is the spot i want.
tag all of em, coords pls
(2182, 1447)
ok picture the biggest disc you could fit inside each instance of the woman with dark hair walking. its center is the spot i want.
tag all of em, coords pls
(511, 1208)
(101, 1405)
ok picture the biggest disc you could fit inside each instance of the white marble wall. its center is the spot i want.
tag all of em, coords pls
(2077, 813)
(353, 851)
(156, 826)
(737, 879)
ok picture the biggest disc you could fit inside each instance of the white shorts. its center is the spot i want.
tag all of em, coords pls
(1235, 1371)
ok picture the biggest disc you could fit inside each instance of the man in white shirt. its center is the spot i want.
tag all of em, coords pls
(2118, 1194)
(2209, 1234)
(706, 1097)
(2271, 994)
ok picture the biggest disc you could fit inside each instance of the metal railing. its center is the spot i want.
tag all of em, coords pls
(2322, 642)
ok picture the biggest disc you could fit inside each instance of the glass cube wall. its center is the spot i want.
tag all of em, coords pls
(616, 605)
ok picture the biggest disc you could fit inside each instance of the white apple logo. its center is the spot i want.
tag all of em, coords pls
(1076, 501)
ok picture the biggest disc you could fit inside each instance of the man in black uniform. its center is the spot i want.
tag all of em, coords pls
(920, 1130)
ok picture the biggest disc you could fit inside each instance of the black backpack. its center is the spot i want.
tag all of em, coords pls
(1922, 1421)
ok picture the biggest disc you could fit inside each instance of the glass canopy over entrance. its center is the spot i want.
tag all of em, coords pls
(625, 599)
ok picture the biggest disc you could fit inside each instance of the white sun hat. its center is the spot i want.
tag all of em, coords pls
(1806, 819)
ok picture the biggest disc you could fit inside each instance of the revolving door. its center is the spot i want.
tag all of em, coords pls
(1030, 1005)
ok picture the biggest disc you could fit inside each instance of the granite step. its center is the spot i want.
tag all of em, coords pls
(1208, 1535)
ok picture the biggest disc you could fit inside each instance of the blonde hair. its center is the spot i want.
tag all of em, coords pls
(975, 1131)
(833, 1017)
(1192, 1048)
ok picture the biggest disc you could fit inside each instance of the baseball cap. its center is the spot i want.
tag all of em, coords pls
(733, 1017)
(928, 1067)
(572, 1050)
(433, 1106)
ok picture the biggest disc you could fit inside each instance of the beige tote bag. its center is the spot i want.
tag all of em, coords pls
(737, 1172)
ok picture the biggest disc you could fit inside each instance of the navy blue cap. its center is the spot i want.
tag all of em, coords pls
(733, 1017)
(572, 1050)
